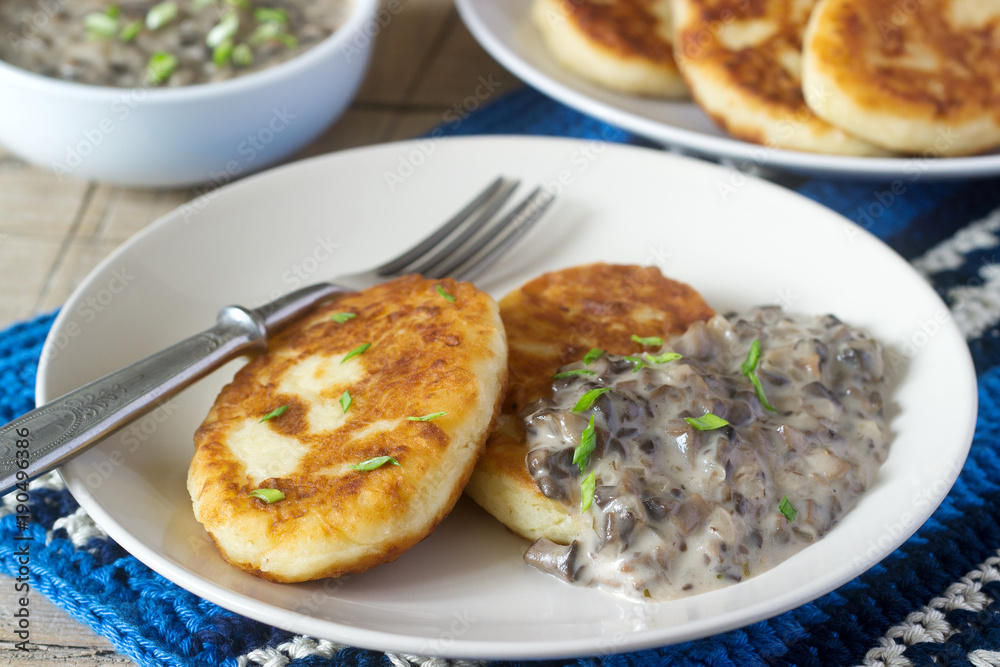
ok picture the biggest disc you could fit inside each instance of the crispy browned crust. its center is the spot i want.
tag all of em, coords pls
(556, 319)
(626, 28)
(865, 45)
(427, 355)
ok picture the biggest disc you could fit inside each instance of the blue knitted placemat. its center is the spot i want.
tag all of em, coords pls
(935, 600)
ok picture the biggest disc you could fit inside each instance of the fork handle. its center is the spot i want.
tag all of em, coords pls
(47, 436)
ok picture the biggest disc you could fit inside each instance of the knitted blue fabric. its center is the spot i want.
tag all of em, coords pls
(157, 623)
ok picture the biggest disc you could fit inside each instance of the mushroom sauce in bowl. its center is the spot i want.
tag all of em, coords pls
(741, 442)
(162, 43)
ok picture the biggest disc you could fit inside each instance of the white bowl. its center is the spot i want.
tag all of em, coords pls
(204, 133)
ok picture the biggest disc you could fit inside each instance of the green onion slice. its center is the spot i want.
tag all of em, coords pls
(268, 495)
(271, 15)
(648, 341)
(587, 487)
(592, 356)
(277, 412)
(340, 318)
(577, 371)
(100, 26)
(427, 418)
(707, 422)
(637, 362)
(373, 463)
(749, 369)
(223, 30)
(345, 401)
(160, 66)
(360, 349)
(449, 297)
(242, 55)
(759, 388)
(785, 507)
(114, 11)
(161, 14)
(223, 52)
(130, 30)
(588, 441)
(664, 358)
(588, 398)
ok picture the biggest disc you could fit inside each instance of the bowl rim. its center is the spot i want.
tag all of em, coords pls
(360, 14)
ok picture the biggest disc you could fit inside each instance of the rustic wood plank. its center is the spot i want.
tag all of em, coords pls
(55, 638)
(25, 263)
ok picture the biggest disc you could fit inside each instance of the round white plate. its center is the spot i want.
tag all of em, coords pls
(505, 30)
(465, 591)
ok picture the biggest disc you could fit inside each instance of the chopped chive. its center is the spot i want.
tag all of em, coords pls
(449, 297)
(271, 15)
(263, 33)
(100, 26)
(648, 341)
(340, 318)
(241, 4)
(646, 593)
(114, 11)
(664, 358)
(427, 418)
(749, 369)
(345, 401)
(223, 30)
(160, 66)
(785, 507)
(587, 487)
(268, 495)
(373, 463)
(360, 349)
(130, 30)
(161, 14)
(588, 441)
(707, 422)
(588, 398)
(222, 52)
(277, 412)
(577, 371)
(637, 363)
(592, 356)
(753, 356)
(242, 55)
(288, 41)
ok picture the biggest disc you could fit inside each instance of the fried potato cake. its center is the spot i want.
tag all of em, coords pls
(428, 356)
(551, 321)
(913, 77)
(624, 45)
(742, 62)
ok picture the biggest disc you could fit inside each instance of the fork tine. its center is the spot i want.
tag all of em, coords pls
(467, 231)
(399, 263)
(498, 239)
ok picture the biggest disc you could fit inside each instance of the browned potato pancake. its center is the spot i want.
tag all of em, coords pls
(920, 77)
(742, 62)
(624, 45)
(439, 355)
(553, 320)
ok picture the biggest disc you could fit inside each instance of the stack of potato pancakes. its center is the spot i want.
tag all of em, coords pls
(848, 77)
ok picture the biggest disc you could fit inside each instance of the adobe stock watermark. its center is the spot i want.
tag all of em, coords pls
(303, 271)
(249, 149)
(408, 163)
(28, 30)
(128, 440)
(362, 40)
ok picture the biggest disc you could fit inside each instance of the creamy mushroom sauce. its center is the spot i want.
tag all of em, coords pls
(678, 511)
(52, 39)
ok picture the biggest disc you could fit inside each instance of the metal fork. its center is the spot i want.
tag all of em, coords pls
(50, 435)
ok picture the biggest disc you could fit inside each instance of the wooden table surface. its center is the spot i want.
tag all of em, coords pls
(52, 233)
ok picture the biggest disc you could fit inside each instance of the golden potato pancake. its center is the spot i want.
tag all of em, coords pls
(551, 321)
(623, 45)
(920, 77)
(742, 62)
(426, 354)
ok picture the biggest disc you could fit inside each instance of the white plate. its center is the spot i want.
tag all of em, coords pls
(465, 590)
(505, 30)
